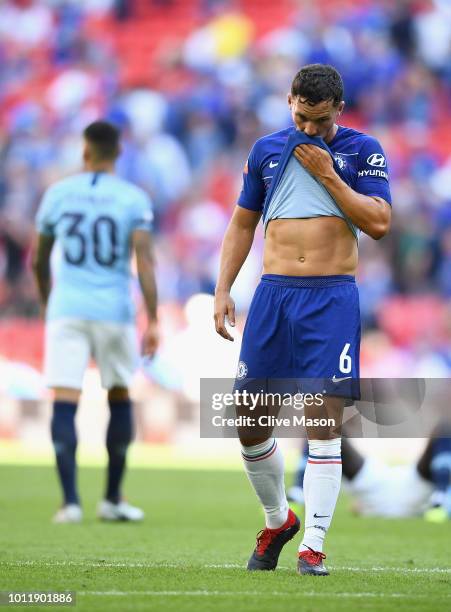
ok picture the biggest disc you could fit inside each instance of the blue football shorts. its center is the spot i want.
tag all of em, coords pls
(303, 328)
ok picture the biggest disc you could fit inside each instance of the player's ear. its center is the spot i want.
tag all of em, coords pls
(290, 99)
(341, 107)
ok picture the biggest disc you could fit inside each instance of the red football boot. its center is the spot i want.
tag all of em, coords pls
(270, 543)
(310, 562)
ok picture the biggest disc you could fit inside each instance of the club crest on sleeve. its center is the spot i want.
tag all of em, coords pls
(340, 162)
(242, 370)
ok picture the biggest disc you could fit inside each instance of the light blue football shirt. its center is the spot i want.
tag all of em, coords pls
(359, 158)
(299, 194)
(92, 217)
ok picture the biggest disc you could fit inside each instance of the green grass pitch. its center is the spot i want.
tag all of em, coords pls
(190, 552)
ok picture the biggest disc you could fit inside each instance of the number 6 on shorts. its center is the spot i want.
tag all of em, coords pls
(345, 364)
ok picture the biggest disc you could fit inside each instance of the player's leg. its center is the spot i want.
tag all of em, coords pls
(295, 493)
(434, 466)
(264, 465)
(322, 481)
(328, 458)
(352, 462)
(326, 327)
(115, 351)
(64, 438)
(66, 358)
(263, 355)
(118, 438)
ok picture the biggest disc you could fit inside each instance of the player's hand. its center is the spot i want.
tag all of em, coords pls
(224, 306)
(150, 339)
(315, 159)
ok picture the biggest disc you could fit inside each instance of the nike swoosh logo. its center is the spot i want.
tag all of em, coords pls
(321, 515)
(336, 380)
(272, 164)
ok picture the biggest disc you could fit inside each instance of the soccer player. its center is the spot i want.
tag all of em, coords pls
(394, 491)
(316, 185)
(96, 220)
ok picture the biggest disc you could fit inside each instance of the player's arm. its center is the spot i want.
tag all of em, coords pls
(372, 214)
(46, 220)
(235, 248)
(42, 249)
(145, 262)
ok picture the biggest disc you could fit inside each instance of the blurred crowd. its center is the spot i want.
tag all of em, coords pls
(192, 97)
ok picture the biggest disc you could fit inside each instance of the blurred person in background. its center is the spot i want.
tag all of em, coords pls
(67, 63)
(393, 491)
(70, 62)
(316, 185)
(96, 220)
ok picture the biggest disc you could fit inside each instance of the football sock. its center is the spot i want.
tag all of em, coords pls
(64, 439)
(265, 469)
(119, 436)
(322, 481)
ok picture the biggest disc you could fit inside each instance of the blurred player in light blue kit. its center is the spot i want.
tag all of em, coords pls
(96, 220)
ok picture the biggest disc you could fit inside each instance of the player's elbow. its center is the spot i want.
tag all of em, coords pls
(378, 231)
(380, 228)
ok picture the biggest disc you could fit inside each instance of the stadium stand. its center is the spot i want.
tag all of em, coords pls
(192, 83)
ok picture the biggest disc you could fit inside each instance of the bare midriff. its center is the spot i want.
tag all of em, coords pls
(320, 246)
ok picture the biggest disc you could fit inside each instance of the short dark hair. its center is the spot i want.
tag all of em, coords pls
(318, 83)
(104, 137)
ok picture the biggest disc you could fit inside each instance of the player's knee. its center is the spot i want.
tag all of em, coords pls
(323, 433)
(246, 441)
(118, 394)
(66, 394)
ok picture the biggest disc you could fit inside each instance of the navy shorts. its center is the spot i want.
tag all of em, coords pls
(304, 327)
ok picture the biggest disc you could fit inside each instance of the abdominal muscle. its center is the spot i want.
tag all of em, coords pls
(319, 246)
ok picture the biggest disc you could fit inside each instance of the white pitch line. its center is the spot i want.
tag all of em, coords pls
(100, 564)
(250, 594)
(408, 570)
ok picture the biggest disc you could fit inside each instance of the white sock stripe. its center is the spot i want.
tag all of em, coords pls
(259, 449)
(262, 455)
